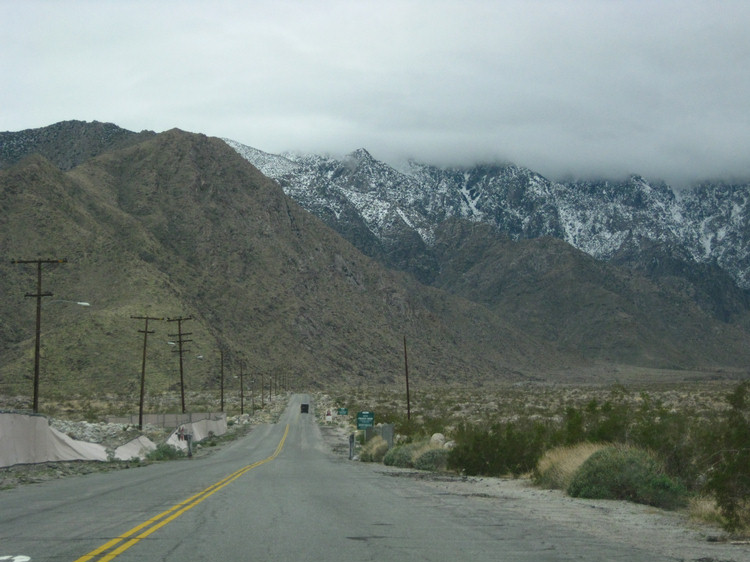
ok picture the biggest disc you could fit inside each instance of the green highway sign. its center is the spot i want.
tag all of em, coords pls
(343, 411)
(365, 420)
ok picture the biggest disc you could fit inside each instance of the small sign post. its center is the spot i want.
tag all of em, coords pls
(343, 412)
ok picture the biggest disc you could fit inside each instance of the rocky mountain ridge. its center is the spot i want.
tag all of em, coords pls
(66, 144)
(179, 224)
(387, 211)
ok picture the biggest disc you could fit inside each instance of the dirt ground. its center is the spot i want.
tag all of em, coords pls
(664, 532)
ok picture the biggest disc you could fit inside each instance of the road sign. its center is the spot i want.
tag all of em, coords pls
(343, 412)
(365, 420)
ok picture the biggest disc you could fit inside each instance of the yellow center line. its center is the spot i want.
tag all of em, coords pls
(162, 519)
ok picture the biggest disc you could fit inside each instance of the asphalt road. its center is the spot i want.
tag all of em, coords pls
(278, 494)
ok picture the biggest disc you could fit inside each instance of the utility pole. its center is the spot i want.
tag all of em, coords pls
(242, 391)
(261, 391)
(37, 346)
(180, 335)
(406, 367)
(252, 395)
(221, 370)
(145, 333)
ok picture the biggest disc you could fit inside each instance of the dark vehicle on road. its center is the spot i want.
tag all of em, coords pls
(304, 408)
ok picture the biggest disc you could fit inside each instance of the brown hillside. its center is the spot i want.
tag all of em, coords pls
(180, 225)
(606, 313)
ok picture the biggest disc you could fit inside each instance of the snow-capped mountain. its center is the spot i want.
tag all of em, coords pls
(393, 213)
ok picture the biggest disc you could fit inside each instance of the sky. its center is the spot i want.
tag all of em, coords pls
(567, 88)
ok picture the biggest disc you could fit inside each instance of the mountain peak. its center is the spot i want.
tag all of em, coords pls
(360, 155)
(67, 144)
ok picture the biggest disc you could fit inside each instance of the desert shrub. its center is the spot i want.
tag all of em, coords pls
(729, 477)
(556, 468)
(677, 437)
(627, 473)
(415, 428)
(165, 452)
(404, 456)
(433, 459)
(574, 430)
(400, 456)
(374, 450)
(607, 422)
(510, 448)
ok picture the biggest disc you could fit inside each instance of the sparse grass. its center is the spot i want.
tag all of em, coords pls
(557, 467)
(704, 509)
(374, 450)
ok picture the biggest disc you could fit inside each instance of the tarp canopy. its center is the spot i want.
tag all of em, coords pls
(199, 431)
(138, 447)
(26, 439)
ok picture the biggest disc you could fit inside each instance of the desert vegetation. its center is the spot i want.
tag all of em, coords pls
(665, 445)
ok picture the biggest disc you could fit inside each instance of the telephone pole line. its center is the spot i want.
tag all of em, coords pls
(242, 389)
(180, 335)
(406, 368)
(221, 380)
(38, 295)
(145, 333)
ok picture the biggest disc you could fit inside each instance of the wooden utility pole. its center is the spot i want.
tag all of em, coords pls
(37, 346)
(252, 395)
(242, 391)
(406, 368)
(180, 341)
(145, 333)
(221, 384)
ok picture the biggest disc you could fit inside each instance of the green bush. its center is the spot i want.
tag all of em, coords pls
(627, 473)
(510, 448)
(433, 459)
(401, 456)
(729, 479)
(165, 452)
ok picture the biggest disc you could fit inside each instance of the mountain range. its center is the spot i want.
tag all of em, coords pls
(697, 238)
(322, 268)
(608, 220)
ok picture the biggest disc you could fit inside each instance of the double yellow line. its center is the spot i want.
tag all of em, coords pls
(118, 545)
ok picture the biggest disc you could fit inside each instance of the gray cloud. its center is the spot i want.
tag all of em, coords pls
(585, 88)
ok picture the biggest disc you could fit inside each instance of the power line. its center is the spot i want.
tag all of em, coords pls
(145, 333)
(180, 340)
(38, 295)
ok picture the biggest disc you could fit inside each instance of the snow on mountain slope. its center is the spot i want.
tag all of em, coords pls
(601, 218)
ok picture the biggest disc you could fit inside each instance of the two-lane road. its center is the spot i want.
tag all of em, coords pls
(278, 494)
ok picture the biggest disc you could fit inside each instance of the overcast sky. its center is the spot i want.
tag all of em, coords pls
(564, 87)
